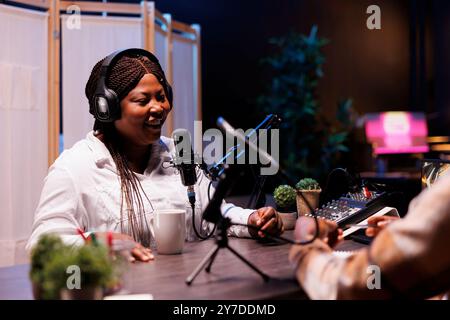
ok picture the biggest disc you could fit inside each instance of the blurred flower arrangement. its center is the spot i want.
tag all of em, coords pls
(51, 262)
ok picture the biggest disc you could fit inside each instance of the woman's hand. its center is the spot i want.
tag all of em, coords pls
(137, 251)
(379, 224)
(266, 218)
(305, 229)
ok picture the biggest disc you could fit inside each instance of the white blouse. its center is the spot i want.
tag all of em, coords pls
(82, 190)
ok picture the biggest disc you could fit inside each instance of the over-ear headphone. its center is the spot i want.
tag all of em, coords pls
(105, 105)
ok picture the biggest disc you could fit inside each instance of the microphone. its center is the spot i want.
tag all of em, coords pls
(264, 156)
(215, 171)
(184, 161)
(225, 126)
(212, 211)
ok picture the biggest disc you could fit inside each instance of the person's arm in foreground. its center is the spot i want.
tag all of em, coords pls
(408, 258)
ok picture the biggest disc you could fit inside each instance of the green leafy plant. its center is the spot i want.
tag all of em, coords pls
(54, 274)
(284, 196)
(51, 259)
(307, 184)
(311, 144)
(45, 250)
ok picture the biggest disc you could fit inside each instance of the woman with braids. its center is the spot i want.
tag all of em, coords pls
(112, 181)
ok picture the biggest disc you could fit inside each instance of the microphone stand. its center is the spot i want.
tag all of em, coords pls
(257, 198)
(221, 243)
(271, 120)
(212, 214)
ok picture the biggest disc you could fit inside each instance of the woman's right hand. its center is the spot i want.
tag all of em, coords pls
(379, 224)
(137, 251)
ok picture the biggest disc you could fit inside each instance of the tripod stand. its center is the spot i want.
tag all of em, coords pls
(221, 243)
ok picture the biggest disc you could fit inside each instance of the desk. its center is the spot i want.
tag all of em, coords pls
(230, 278)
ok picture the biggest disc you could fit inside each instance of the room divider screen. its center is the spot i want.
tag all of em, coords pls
(48, 50)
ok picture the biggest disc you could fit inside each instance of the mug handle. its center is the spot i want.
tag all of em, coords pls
(152, 230)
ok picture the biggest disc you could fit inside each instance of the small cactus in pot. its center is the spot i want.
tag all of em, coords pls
(307, 184)
(285, 197)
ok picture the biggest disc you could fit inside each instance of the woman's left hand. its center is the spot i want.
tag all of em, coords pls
(137, 252)
(267, 219)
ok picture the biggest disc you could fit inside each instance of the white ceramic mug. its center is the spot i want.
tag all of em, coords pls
(169, 230)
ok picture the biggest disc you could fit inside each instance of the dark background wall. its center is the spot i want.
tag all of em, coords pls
(398, 67)
(403, 66)
(372, 67)
(440, 39)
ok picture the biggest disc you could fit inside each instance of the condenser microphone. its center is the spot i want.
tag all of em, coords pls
(184, 161)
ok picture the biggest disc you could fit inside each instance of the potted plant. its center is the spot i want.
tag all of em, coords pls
(45, 250)
(308, 190)
(96, 272)
(60, 271)
(284, 196)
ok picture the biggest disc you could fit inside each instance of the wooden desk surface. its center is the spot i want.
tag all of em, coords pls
(230, 278)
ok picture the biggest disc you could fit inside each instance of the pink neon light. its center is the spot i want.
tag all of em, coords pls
(397, 132)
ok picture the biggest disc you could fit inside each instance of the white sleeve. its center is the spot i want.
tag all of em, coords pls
(229, 210)
(57, 211)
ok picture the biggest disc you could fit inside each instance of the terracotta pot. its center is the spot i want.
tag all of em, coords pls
(89, 293)
(312, 196)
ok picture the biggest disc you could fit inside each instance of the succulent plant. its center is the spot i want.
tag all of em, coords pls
(284, 196)
(307, 184)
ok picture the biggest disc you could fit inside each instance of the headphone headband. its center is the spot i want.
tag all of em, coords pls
(113, 57)
(106, 105)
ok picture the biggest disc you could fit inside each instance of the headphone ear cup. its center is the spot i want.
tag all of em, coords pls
(106, 106)
(114, 104)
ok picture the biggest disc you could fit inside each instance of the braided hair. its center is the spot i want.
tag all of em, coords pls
(123, 76)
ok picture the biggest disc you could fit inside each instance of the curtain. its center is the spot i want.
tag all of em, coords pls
(161, 47)
(81, 49)
(160, 52)
(185, 105)
(23, 122)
